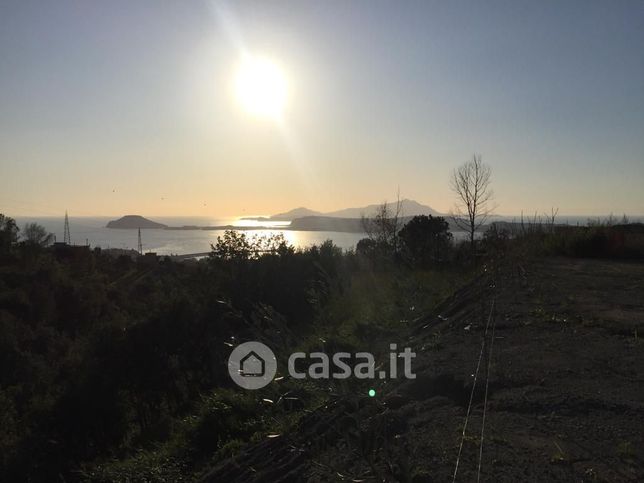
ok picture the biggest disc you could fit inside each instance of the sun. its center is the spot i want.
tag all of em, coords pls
(261, 87)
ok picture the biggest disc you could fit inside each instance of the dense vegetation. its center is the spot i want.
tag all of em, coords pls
(113, 367)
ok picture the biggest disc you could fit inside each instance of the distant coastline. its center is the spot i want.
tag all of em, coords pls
(299, 220)
(305, 223)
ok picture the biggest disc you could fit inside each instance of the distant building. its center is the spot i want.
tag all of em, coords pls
(149, 259)
(64, 250)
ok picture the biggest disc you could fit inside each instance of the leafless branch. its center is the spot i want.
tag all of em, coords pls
(471, 184)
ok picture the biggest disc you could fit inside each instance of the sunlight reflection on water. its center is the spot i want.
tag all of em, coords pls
(92, 230)
(177, 242)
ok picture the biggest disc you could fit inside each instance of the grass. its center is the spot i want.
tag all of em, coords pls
(369, 313)
(222, 424)
(625, 451)
(559, 456)
(385, 302)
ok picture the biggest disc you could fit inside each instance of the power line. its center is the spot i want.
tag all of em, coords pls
(469, 406)
(487, 384)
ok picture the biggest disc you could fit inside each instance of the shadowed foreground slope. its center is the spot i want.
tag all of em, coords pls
(565, 390)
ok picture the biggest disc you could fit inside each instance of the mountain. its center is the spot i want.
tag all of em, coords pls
(327, 223)
(130, 222)
(296, 213)
(409, 208)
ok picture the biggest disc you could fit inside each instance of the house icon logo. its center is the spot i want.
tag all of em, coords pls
(252, 365)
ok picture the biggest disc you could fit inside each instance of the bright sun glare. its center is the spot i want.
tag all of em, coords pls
(261, 87)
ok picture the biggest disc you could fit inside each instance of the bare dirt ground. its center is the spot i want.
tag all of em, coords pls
(565, 393)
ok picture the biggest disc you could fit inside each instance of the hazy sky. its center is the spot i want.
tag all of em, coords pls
(108, 107)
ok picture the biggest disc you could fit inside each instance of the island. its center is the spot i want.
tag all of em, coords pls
(130, 222)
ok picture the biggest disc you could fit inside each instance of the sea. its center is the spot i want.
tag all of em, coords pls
(92, 231)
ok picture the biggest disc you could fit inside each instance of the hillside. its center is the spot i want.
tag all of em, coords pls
(327, 223)
(347, 225)
(564, 399)
(409, 208)
(295, 213)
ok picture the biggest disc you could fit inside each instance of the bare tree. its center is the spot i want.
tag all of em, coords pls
(471, 184)
(551, 218)
(383, 226)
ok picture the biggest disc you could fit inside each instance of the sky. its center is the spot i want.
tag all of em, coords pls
(129, 107)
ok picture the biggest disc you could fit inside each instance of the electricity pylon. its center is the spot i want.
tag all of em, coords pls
(66, 236)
